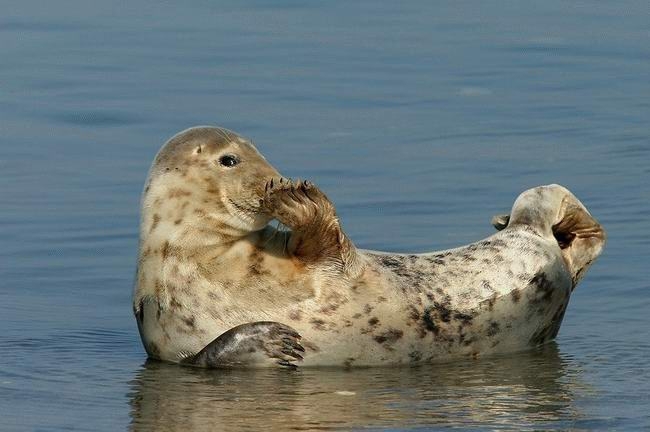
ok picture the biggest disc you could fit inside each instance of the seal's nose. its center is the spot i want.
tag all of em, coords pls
(263, 176)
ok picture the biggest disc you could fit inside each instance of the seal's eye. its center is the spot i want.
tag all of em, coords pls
(229, 160)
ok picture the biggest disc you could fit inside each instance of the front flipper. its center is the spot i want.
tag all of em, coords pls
(316, 233)
(256, 344)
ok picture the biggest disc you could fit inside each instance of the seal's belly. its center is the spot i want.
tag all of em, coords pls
(507, 295)
(405, 309)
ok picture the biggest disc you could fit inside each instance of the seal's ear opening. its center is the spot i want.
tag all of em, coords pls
(579, 235)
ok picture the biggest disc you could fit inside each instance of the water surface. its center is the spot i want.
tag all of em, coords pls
(419, 120)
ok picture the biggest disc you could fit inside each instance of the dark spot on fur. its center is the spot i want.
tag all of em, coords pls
(391, 262)
(256, 266)
(178, 221)
(367, 309)
(468, 342)
(334, 301)
(212, 295)
(174, 304)
(189, 321)
(543, 287)
(357, 316)
(158, 288)
(178, 192)
(257, 269)
(515, 295)
(493, 328)
(155, 222)
(444, 322)
(381, 299)
(310, 345)
(490, 302)
(415, 278)
(317, 324)
(413, 314)
(373, 323)
(153, 350)
(443, 312)
(523, 277)
(464, 318)
(428, 320)
(389, 336)
(295, 315)
(415, 356)
(486, 285)
(438, 259)
(550, 331)
(348, 362)
(468, 257)
(164, 251)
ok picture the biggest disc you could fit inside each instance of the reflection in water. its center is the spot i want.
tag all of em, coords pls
(519, 391)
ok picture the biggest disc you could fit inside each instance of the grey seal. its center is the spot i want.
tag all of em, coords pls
(218, 286)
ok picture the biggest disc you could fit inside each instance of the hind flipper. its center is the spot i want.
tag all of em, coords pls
(579, 235)
(555, 213)
(500, 221)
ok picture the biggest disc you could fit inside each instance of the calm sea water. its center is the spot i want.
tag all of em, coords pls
(419, 120)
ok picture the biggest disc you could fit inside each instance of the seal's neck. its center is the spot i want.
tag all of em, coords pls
(181, 217)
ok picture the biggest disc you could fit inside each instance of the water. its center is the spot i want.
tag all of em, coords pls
(419, 120)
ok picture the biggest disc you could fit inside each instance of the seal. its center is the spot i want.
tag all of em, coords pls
(218, 286)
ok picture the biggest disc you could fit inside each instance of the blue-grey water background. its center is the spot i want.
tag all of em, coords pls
(419, 119)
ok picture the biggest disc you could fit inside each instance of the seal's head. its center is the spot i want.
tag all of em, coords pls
(205, 182)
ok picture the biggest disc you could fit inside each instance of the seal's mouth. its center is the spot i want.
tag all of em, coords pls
(247, 213)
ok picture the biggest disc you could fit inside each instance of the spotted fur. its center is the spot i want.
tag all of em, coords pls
(211, 267)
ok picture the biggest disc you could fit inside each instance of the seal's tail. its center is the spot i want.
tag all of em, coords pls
(554, 211)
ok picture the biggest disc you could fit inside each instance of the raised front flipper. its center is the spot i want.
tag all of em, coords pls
(256, 344)
(316, 233)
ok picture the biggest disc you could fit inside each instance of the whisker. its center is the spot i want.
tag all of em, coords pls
(224, 133)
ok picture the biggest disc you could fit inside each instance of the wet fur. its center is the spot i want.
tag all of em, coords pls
(210, 263)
